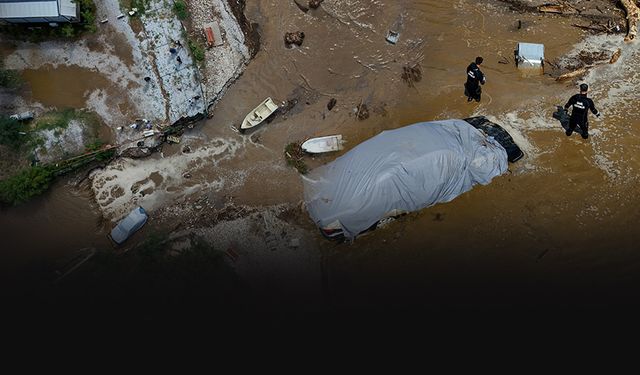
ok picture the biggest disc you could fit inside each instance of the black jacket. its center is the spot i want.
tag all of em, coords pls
(581, 105)
(474, 75)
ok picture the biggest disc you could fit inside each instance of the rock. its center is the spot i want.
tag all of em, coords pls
(293, 38)
(331, 104)
(314, 4)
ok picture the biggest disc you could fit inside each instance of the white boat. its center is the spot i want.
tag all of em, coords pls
(323, 144)
(259, 114)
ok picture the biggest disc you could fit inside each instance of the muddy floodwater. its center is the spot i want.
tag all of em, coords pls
(563, 216)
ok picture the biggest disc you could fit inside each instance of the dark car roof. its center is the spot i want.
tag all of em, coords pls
(514, 153)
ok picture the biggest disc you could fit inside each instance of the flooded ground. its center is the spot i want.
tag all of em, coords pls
(562, 220)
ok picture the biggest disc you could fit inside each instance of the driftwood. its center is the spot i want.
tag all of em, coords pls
(557, 8)
(575, 73)
(632, 18)
(615, 56)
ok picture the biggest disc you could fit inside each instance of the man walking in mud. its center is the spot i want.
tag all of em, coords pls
(581, 105)
(475, 78)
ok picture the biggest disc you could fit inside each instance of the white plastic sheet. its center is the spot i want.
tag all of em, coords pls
(405, 169)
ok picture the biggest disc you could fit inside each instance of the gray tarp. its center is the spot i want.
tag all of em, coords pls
(405, 169)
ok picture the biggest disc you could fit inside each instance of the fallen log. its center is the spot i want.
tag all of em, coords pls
(575, 73)
(557, 8)
(632, 19)
(599, 29)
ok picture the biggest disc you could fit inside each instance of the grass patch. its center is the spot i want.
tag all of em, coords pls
(180, 9)
(197, 50)
(24, 185)
(294, 155)
(55, 119)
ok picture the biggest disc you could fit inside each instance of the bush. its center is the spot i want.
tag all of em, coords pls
(10, 133)
(196, 50)
(294, 154)
(68, 31)
(9, 78)
(25, 185)
(180, 9)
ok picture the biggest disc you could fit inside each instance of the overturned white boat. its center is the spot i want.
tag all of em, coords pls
(259, 114)
(323, 144)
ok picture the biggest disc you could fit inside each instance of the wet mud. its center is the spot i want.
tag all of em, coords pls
(562, 220)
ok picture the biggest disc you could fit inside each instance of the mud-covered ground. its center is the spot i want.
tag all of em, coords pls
(557, 230)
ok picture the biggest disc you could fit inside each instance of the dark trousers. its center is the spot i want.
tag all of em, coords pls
(472, 91)
(584, 126)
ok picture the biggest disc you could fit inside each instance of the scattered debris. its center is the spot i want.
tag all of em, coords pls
(296, 38)
(173, 139)
(411, 74)
(362, 112)
(28, 115)
(294, 155)
(615, 56)
(392, 37)
(331, 104)
(314, 4)
(301, 7)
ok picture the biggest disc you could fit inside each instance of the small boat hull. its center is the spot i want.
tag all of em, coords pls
(259, 114)
(323, 144)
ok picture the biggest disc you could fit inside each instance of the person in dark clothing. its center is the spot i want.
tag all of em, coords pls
(581, 107)
(475, 78)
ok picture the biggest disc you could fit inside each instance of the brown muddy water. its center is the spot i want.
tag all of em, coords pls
(565, 215)
(62, 86)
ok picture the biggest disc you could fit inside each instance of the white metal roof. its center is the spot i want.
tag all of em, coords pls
(68, 8)
(31, 8)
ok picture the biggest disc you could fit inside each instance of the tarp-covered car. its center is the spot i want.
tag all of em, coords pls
(129, 225)
(403, 170)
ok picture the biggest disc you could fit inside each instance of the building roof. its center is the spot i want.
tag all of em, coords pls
(36, 8)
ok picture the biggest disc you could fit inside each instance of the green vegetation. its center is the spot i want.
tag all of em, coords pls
(25, 185)
(141, 5)
(197, 50)
(180, 9)
(9, 78)
(55, 119)
(294, 155)
(60, 119)
(88, 13)
(101, 156)
(12, 133)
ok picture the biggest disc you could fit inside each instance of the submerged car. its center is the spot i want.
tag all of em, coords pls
(129, 225)
(405, 170)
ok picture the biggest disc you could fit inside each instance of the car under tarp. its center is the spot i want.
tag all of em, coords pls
(401, 170)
